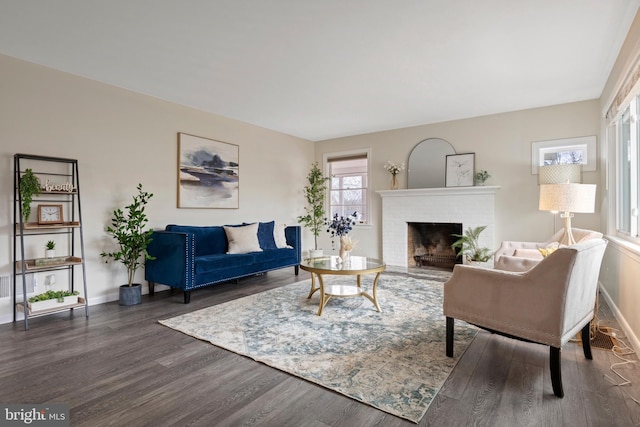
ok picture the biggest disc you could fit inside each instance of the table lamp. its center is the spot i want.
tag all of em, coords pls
(567, 198)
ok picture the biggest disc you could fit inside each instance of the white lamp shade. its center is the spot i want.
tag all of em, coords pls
(568, 197)
(556, 174)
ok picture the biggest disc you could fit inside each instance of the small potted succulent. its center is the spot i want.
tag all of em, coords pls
(50, 249)
(482, 176)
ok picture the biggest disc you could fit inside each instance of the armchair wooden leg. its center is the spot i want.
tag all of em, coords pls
(296, 269)
(187, 297)
(586, 341)
(152, 288)
(449, 338)
(556, 372)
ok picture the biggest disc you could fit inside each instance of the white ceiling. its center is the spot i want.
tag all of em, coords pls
(321, 69)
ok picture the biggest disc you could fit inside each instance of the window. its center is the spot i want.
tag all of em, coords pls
(580, 150)
(349, 184)
(627, 164)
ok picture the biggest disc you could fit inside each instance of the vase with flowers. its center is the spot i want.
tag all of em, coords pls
(339, 227)
(394, 170)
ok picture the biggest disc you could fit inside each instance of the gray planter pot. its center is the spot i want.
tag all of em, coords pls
(131, 295)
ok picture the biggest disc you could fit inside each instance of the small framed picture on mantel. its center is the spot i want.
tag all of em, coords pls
(459, 170)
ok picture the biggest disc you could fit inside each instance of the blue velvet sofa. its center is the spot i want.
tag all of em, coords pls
(191, 257)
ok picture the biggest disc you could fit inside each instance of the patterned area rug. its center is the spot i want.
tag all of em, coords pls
(394, 360)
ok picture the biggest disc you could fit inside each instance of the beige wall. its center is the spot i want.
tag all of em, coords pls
(621, 266)
(502, 146)
(121, 138)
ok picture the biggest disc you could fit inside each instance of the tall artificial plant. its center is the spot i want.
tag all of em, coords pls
(314, 193)
(128, 230)
(29, 187)
(468, 245)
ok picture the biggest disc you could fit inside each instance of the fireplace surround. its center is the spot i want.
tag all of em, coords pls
(469, 206)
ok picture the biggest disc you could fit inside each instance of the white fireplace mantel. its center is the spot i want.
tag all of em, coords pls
(470, 206)
(447, 191)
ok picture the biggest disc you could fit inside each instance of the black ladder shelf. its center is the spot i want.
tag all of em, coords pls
(67, 196)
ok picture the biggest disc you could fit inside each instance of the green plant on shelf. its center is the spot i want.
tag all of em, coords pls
(51, 245)
(29, 187)
(57, 295)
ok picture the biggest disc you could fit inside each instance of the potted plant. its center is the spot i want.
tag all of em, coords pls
(482, 176)
(469, 247)
(50, 249)
(314, 194)
(52, 299)
(29, 187)
(129, 232)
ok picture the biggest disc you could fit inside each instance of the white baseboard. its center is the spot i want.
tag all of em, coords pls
(630, 336)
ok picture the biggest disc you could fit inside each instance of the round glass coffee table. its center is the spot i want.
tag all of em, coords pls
(352, 266)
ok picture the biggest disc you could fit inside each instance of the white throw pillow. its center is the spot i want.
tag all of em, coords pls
(243, 239)
(279, 237)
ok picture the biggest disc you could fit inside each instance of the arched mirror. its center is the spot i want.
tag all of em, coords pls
(427, 163)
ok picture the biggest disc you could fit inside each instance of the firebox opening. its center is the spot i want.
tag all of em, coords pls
(429, 245)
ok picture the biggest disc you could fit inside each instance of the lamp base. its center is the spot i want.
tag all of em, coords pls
(567, 237)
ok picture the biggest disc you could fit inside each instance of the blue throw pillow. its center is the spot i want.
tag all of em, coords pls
(265, 235)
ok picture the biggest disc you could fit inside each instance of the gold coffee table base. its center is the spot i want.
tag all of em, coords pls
(356, 266)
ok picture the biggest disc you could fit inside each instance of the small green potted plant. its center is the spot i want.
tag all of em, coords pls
(50, 249)
(29, 186)
(52, 299)
(468, 246)
(482, 177)
(314, 193)
(132, 239)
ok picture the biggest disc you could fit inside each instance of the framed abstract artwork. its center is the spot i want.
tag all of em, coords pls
(459, 170)
(208, 173)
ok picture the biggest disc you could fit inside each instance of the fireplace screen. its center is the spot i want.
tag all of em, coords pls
(429, 244)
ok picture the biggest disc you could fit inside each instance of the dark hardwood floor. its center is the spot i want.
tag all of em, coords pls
(121, 368)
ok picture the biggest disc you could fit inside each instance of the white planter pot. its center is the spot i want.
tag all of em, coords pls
(315, 253)
(50, 253)
(53, 303)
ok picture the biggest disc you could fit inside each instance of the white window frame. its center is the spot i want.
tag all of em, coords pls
(350, 153)
(634, 223)
(586, 144)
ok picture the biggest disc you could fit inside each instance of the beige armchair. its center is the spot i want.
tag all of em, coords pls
(521, 256)
(547, 304)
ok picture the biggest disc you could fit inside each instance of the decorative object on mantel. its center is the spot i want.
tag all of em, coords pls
(482, 176)
(314, 193)
(340, 226)
(468, 246)
(394, 170)
(50, 249)
(426, 168)
(459, 170)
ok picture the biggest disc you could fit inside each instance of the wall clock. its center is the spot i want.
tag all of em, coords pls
(50, 214)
